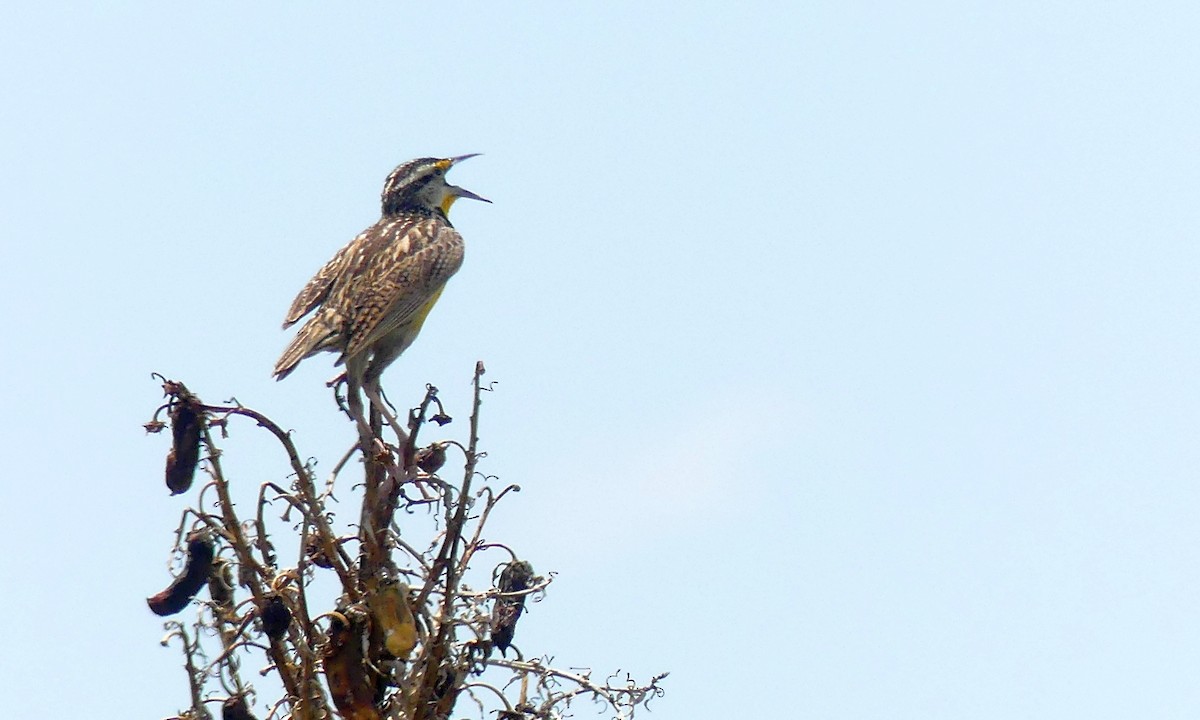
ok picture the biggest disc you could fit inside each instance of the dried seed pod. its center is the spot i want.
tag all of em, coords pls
(392, 618)
(315, 553)
(351, 685)
(235, 709)
(275, 617)
(517, 576)
(431, 458)
(195, 574)
(220, 584)
(186, 424)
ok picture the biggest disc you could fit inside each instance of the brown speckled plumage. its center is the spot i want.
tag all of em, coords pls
(373, 296)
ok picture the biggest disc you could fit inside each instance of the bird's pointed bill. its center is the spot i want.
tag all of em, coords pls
(458, 192)
(454, 192)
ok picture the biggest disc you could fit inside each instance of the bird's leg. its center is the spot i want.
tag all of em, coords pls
(355, 410)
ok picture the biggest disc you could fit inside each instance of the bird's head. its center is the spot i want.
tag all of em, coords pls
(421, 185)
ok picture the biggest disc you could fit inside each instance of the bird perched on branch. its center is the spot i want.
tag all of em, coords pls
(373, 296)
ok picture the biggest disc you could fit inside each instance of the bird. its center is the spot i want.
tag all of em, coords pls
(371, 299)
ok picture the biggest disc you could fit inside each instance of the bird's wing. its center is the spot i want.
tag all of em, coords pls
(401, 280)
(317, 289)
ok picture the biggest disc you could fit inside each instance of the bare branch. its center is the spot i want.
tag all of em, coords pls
(386, 652)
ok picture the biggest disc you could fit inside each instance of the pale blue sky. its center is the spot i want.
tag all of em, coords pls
(846, 353)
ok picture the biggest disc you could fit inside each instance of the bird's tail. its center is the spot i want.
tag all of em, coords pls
(315, 336)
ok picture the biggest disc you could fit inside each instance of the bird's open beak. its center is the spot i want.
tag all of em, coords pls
(454, 192)
(458, 192)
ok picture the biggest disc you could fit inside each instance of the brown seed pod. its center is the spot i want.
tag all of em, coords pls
(516, 576)
(195, 574)
(351, 685)
(187, 420)
(392, 618)
(235, 709)
(275, 617)
(315, 553)
(431, 458)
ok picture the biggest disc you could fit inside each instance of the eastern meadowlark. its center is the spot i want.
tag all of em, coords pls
(373, 296)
